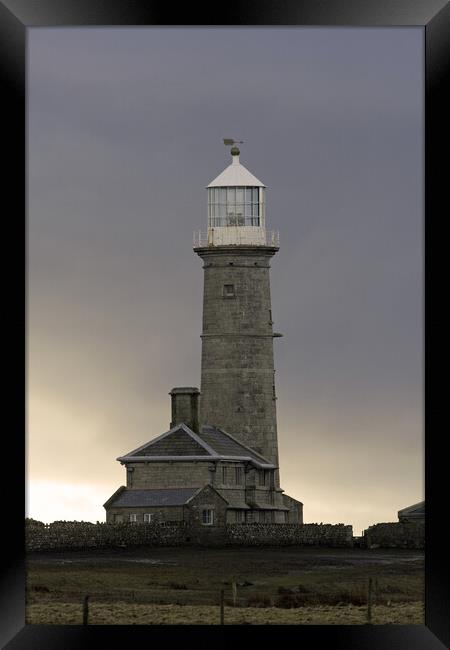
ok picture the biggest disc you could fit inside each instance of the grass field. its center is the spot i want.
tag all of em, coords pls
(54, 613)
(182, 586)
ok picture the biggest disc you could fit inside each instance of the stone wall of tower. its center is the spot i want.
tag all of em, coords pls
(237, 372)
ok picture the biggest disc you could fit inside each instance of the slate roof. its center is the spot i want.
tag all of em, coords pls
(268, 506)
(153, 497)
(181, 443)
(178, 441)
(226, 445)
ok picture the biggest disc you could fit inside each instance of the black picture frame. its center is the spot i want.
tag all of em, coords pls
(16, 16)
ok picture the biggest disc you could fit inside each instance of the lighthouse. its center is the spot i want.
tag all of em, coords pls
(218, 462)
(237, 367)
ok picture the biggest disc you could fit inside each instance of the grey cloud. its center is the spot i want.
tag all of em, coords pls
(125, 131)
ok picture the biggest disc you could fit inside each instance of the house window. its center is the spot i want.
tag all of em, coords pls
(239, 476)
(130, 471)
(262, 477)
(228, 291)
(132, 519)
(207, 516)
(239, 516)
(148, 517)
(225, 475)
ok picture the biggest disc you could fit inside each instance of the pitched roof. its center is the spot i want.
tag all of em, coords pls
(416, 510)
(152, 497)
(181, 443)
(226, 445)
(137, 498)
(178, 441)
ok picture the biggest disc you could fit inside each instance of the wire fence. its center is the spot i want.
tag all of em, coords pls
(226, 598)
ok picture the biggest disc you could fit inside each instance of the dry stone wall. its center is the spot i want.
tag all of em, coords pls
(65, 535)
(395, 535)
(259, 534)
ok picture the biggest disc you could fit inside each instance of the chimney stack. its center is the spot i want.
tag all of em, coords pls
(185, 407)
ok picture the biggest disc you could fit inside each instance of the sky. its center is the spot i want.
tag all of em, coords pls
(125, 129)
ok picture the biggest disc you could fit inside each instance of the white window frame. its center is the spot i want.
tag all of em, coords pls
(132, 518)
(210, 516)
(148, 517)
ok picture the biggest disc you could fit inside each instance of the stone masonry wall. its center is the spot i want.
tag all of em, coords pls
(65, 535)
(237, 371)
(395, 535)
(163, 475)
(161, 514)
(72, 535)
(257, 534)
(295, 514)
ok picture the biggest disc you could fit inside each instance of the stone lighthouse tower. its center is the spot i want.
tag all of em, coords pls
(237, 369)
(218, 463)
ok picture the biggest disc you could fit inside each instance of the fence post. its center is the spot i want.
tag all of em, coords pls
(222, 617)
(369, 602)
(234, 587)
(86, 610)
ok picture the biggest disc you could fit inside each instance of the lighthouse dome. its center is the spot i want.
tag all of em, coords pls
(236, 175)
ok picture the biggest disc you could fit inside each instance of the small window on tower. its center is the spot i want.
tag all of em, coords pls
(228, 291)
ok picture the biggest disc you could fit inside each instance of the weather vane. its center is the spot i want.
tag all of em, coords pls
(233, 143)
(230, 141)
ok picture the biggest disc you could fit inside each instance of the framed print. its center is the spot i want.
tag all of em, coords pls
(115, 115)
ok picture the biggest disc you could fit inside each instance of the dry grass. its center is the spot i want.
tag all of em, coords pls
(182, 586)
(122, 613)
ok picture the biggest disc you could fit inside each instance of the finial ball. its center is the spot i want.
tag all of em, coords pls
(235, 151)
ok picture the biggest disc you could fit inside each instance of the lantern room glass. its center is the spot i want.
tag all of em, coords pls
(235, 206)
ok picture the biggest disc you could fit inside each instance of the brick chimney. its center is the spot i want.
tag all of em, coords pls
(185, 407)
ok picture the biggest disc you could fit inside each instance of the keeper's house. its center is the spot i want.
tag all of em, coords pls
(205, 477)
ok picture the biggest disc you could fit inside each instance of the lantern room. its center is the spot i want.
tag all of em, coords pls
(236, 208)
